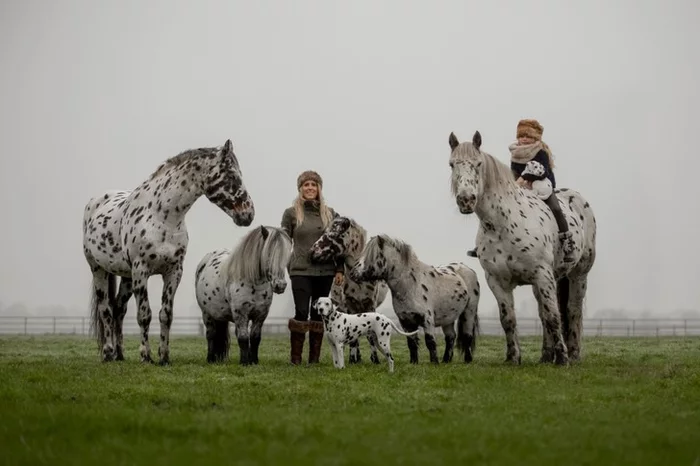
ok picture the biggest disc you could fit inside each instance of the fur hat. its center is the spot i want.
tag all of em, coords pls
(531, 129)
(309, 175)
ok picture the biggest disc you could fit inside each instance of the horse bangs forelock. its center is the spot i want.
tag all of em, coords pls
(276, 252)
(244, 264)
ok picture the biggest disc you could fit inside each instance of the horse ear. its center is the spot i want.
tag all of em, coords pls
(228, 147)
(380, 242)
(264, 231)
(454, 142)
(476, 140)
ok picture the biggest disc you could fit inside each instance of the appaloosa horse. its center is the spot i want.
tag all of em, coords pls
(139, 233)
(424, 295)
(238, 286)
(517, 245)
(344, 240)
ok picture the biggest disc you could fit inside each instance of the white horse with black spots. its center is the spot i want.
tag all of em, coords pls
(140, 233)
(238, 286)
(342, 328)
(424, 295)
(344, 239)
(518, 245)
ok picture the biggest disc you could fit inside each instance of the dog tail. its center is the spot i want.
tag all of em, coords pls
(400, 331)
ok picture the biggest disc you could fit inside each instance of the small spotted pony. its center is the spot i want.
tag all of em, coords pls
(139, 233)
(344, 239)
(425, 296)
(238, 287)
(517, 244)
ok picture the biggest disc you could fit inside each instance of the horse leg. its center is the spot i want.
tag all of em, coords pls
(506, 311)
(547, 339)
(549, 314)
(255, 338)
(430, 342)
(355, 357)
(243, 337)
(171, 280)
(103, 310)
(450, 337)
(139, 280)
(577, 292)
(122, 300)
(410, 326)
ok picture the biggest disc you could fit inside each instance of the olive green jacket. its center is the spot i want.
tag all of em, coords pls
(304, 236)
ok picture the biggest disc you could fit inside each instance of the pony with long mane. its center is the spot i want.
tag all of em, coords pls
(517, 245)
(140, 233)
(238, 287)
(424, 295)
(345, 239)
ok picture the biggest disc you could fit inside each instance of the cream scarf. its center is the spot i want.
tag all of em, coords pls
(523, 153)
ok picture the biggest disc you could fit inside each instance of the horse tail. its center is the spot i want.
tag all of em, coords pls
(563, 302)
(468, 326)
(97, 329)
(400, 331)
(220, 340)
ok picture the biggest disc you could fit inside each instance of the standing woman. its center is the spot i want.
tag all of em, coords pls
(305, 222)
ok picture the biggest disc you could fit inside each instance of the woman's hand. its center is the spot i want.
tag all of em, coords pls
(523, 184)
(339, 277)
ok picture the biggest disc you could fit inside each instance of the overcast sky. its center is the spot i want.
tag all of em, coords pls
(96, 94)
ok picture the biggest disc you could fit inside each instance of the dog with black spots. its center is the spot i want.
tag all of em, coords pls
(341, 329)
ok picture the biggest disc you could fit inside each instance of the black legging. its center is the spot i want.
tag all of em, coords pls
(307, 289)
(553, 204)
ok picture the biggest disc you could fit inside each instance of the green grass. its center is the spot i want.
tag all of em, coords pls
(631, 401)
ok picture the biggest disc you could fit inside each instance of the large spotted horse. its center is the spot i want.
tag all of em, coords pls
(517, 245)
(344, 239)
(238, 286)
(139, 233)
(424, 295)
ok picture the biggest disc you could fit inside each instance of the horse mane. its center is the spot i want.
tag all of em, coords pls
(182, 157)
(372, 250)
(362, 233)
(497, 177)
(256, 254)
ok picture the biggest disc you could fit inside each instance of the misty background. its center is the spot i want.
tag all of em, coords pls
(95, 95)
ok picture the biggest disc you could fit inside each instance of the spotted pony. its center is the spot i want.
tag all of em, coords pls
(140, 233)
(517, 244)
(238, 286)
(344, 239)
(424, 295)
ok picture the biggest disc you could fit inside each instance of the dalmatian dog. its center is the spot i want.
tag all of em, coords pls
(542, 188)
(341, 329)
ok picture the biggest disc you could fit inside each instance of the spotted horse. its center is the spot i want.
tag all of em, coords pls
(424, 295)
(517, 245)
(344, 239)
(135, 234)
(238, 286)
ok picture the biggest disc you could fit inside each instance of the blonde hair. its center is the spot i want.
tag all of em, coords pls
(549, 154)
(323, 209)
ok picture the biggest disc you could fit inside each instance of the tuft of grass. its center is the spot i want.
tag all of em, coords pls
(630, 401)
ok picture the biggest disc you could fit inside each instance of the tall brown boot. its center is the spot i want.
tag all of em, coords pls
(315, 340)
(297, 334)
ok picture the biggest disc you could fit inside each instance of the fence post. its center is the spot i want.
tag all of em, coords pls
(634, 327)
(54, 325)
(82, 325)
(25, 324)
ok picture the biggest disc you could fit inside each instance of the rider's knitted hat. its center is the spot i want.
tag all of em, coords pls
(309, 175)
(530, 128)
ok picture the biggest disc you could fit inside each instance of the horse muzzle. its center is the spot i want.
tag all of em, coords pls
(466, 203)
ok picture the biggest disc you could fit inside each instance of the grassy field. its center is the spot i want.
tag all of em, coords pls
(631, 401)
